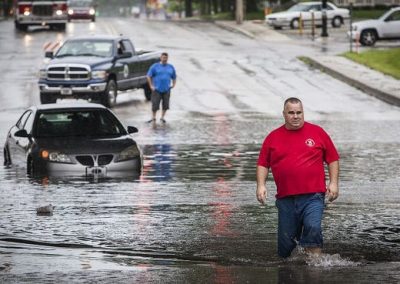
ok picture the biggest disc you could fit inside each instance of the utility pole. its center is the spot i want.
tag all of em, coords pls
(324, 32)
(239, 12)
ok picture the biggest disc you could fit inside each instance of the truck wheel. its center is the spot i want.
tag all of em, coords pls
(109, 97)
(47, 98)
(147, 91)
(368, 37)
(21, 27)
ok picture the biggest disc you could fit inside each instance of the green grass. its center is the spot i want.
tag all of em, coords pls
(360, 14)
(385, 61)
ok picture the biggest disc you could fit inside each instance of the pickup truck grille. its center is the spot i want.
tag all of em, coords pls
(42, 10)
(68, 72)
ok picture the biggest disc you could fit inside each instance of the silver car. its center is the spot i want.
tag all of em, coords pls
(81, 139)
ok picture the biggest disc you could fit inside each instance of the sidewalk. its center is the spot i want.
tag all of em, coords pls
(374, 83)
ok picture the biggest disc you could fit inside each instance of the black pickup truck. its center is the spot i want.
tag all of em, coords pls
(95, 68)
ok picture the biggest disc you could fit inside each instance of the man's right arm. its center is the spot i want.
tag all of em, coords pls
(261, 192)
(150, 81)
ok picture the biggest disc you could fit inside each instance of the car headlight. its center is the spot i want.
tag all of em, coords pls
(42, 74)
(92, 11)
(56, 157)
(99, 74)
(132, 152)
(70, 12)
(59, 12)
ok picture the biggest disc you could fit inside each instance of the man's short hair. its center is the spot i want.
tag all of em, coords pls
(292, 100)
(164, 54)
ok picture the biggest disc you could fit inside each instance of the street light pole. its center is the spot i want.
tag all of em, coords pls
(324, 32)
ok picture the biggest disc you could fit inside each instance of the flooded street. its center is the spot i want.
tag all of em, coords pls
(192, 216)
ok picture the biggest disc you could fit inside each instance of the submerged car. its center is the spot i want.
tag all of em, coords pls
(291, 18)
(83, 139)
(370, 31)
(81, 10)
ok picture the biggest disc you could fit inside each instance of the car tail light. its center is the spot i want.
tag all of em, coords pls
(25, 9)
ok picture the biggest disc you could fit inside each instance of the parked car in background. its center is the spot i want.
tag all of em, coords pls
(291, 18)
(79, 139)
(52, 13)
(95, 68)
(370, 31)
(81, 10)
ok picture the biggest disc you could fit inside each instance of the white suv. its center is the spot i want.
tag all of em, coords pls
(369, 31)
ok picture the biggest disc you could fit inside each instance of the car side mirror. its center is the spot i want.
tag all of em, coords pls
(21, 133)
(126, 54)
(49, 54)
(132, 129)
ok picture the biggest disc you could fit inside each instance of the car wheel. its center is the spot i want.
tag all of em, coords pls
(7, 158)
(93, 19)
(147, 91)
(47, 98)
(109, 97)
(30, 167)
(294, 24)
(368, 37)
(337, 22)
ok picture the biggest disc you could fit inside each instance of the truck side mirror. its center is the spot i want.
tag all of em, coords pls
(49, 54)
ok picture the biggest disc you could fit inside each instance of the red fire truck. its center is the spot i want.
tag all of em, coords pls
(52, 13)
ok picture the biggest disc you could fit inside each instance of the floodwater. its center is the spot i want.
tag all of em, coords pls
(192, 216)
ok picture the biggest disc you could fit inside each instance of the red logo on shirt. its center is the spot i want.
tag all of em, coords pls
(310, 142)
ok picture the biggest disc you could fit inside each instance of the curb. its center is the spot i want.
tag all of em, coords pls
(234, 29)
(384, 96)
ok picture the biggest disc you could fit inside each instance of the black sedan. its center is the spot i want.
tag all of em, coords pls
(72, 139)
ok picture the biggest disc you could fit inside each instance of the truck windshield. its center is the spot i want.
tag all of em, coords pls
(102, 48)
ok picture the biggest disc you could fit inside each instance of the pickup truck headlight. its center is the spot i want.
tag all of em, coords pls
(132, 152)
(42, 74)
(99, 74)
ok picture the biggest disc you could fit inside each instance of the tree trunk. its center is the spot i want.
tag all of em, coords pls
(188, 8)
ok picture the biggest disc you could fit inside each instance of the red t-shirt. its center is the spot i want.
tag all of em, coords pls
(296, 159)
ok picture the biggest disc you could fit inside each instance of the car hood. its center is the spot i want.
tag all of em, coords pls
(282, 15)
(89, 60)
(84, 145)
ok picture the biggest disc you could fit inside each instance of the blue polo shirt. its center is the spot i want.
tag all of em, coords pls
(162, 74)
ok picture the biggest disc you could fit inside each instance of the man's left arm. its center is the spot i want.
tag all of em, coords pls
(333, 186)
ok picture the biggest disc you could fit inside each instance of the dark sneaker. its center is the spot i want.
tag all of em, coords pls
(151, 120)
(163, 120)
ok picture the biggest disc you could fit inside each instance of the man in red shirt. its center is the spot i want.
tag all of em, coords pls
(295, 153)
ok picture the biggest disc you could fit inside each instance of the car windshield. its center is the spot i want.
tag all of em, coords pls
(299, 8)
(93, 123)
(102, 48)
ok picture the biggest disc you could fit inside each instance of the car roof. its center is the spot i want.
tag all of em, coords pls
(66, 106)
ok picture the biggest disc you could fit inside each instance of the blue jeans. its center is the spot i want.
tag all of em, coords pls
(299, 220)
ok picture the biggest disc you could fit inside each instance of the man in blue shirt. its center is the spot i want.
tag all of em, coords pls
(161, 78)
